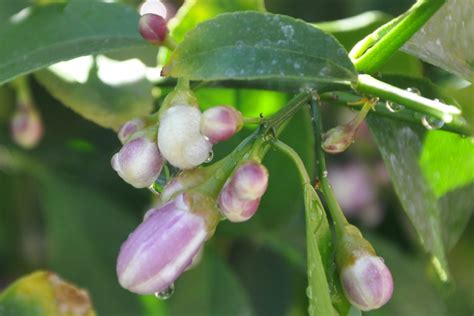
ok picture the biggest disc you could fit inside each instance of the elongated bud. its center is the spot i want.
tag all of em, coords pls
(153, 28)
(26, 126)
(179, 138)
(220, 123)
(366, 280)
(165, 244)
(240, 197)
(129, 128)
(338, 139)
(138, 162)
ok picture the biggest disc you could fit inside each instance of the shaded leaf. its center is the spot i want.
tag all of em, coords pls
(240, 46)
(435, 196)
(446, 40)
(104, 104)
(44, 294)
(74, 29)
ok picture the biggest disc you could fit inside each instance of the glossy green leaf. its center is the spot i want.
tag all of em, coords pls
(44, 294)
(74, 29)
(104, 104)
(239, 46)
(194, 12)
(211, 288)
(435, 184)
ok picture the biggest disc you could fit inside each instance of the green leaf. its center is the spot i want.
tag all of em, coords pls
(74, 29)
(104, 104)
(194, 12)
(446, 39)
(274, 50)
(44, 294)
(211, 288)
(433, 176)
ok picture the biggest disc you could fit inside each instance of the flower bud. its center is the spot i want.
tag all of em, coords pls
(138, 162)
(26, 126)
(250, 180)
(220, 123)
(240, 197)
(365, 279)
(179, 139)
(235, 209)
(367, 283)
(153, 28)
(165, 244)
(129, 128)
(338, 139)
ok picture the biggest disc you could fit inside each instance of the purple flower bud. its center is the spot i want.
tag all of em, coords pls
(26, 126)
(235, 209)
(367, 282)
(138, 162)
(220, 123)
(250, 181)
(338, 139)
(164, 245)
(240, 197)
(129, 128)
(153, 28)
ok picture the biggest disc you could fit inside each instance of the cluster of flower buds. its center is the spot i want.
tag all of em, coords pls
(366, 280)
(167, 243)
(186, 136)
(240, 197)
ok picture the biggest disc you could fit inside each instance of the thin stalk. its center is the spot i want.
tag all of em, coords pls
(394, 36)
(337, 215)
(318, 288)
(369, 85)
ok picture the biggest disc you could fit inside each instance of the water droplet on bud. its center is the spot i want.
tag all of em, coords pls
(166, 293)
(414, 90)
(210, 157)
(393, 107)
(431, 123)
(325, 174)
(156, 188)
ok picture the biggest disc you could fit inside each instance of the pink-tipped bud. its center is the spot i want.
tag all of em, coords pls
(367, 282)
(220, 123)
(138, 162)
(240, 197)
(153, 28)
(26, 127)
(250, 180)
(165, 245)
(338, 139)
(129, 128)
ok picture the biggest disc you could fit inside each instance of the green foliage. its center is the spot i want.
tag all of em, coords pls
(74, 29)
(238, 46)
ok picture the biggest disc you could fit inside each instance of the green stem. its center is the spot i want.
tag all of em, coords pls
(319, 292)
(340, 221)
(371, 86)
(388, 39)
(457, 125)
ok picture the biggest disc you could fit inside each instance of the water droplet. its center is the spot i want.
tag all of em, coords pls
(309, 292)
(166, 293)
(325, 174)
(430, 122)
(414, 90)
(393, 107)
(210, 157)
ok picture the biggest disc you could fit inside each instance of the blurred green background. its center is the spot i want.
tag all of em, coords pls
(63, 208)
